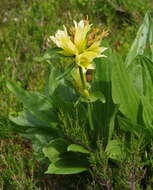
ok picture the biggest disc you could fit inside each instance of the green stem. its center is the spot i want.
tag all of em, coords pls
(82, 78)
(89, 104)
(90, 116)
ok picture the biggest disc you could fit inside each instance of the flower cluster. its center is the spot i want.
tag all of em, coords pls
(81, 41)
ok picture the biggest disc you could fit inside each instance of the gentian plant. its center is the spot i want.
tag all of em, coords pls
(96, 113)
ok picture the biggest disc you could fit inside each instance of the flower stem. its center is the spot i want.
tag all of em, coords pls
(90, 116)
(82, 78)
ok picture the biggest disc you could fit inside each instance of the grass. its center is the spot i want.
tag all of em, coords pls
(24, 29)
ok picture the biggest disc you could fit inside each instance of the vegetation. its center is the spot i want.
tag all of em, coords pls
(109, 134)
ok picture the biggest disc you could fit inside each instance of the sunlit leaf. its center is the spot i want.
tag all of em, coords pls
(140, 41)
(77, 148)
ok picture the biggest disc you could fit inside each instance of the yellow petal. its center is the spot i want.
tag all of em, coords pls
(85, 59)
(81, 30)
(96, 48)
(62, 40)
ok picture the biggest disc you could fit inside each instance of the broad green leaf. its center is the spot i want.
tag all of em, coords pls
(102, 76)
(147, 99)
(25, 118)
(69, 163)
(147, 107)
(116, 150)
(135, 71)
(61, 94)
(64, 98)
(147, 65)
(55, 148)
(39, 105)
(77, 148)
(151, 39)
(112, 123)
(66, 93)
(53, 169)
(49, 133)
(123, 91)
(102, 112)
(141, 73)
(140, 41)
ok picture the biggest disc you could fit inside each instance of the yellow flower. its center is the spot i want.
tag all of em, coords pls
(85, 45)
(81, 43)
(62, 40)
